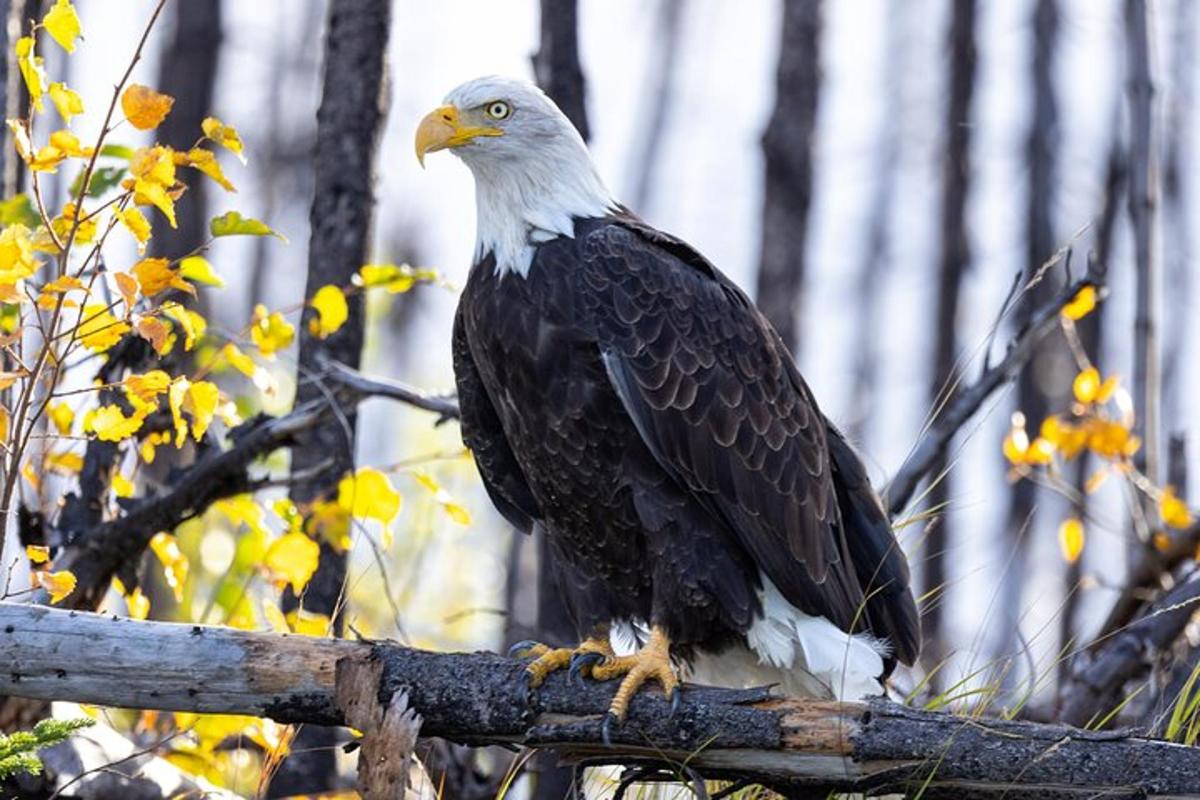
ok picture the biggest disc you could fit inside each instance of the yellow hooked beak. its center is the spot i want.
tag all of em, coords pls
(441, 128)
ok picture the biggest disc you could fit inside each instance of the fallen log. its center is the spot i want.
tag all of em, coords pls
(795, 746)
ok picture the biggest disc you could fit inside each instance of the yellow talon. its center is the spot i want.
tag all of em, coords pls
(548, 660)
(651, 662)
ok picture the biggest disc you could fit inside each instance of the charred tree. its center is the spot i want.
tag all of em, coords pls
(188, 72)
(19, 17)
(1041, 157)
(1143, 207)
(953, 263)
(1177, 209)
(349, 124)
(788, 152)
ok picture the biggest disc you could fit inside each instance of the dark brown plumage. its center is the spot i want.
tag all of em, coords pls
(629, 399)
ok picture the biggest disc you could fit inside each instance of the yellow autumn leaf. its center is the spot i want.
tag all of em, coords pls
(33, 72)
(99, 329)
(4, 424)
(203, 160)
(127, 285)
(1070, 539)
(175, 563)
(1087, 385)
(145, 108)
(270, 332)
(61, 416)
(30, 474)
(201, 403)
(395, 278)
(62, 23)
(224, 135)
(1081, 304)
(292, 558)
(453, 509)
(149, 385)
(69, 144)
(368, 494)
(122, 486)
(17, 259)
(64, 463)
(136, 223)
(243, 363)
(332, 311)
(37, 554)
(110, 424)
(191, 323)
(153, 171)
(1173, 510)
(66, 100)
(58, 584)
(197, 268)
(156, 275)
(156, 333)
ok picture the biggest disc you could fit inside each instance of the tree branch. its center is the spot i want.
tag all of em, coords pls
(97, 554)
(791, 745)
(444, 405)
(937, 439)
(1095, 685)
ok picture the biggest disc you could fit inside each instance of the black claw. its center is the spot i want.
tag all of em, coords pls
(518, 648)
(606, 728)
(526, 682)
(676, 698)
(579, 662)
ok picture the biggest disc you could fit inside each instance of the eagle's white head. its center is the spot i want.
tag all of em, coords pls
(533, 174)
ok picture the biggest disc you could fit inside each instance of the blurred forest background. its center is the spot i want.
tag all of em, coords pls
(881, 174)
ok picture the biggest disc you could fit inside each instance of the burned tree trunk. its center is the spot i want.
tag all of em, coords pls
(954, 262)
(1041, 155)
(788, 151)
(1143, 206)
(188, 72)
(349, 123)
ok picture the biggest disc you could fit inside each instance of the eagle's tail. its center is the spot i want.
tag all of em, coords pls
(805, 656)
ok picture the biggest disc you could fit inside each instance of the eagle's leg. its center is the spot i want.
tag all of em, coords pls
(653, 661)
(547, 659)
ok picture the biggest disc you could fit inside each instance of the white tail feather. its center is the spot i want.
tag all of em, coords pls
(805, 655)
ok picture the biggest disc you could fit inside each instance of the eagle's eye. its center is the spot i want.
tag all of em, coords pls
(498, 110)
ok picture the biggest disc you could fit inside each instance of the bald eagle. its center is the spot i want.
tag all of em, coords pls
(621, 394)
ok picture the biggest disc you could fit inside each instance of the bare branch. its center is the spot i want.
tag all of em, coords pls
(1095, 685)
(445, 406)
(937, 439)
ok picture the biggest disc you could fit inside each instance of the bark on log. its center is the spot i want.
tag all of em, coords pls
(796, 746)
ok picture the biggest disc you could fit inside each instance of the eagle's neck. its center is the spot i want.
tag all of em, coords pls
(523, 202)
